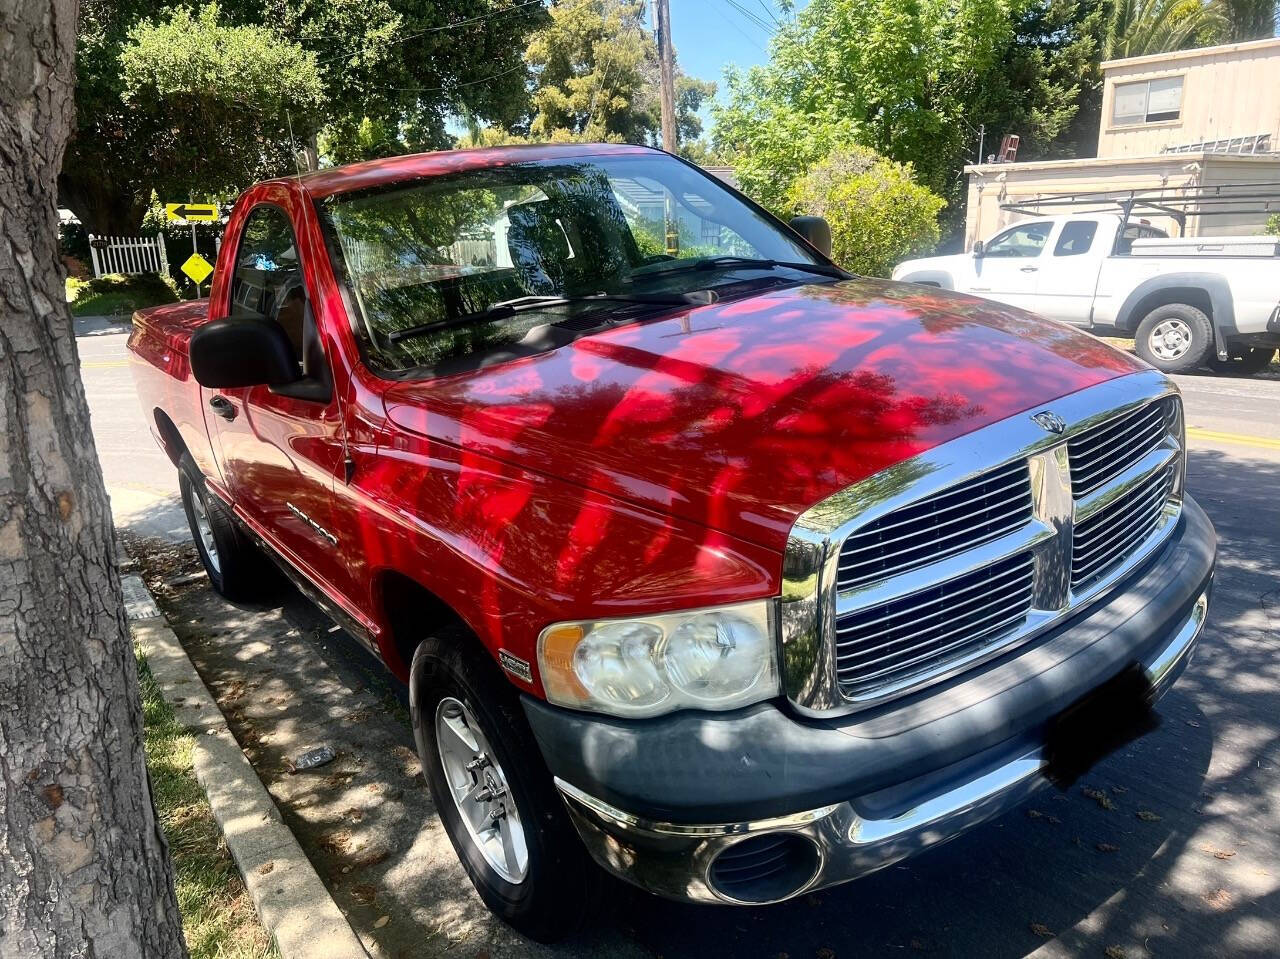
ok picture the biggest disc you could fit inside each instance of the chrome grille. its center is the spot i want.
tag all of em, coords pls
(928, 568)
(1101, 453)
(888, 643)
(983, 509)
(1108, 536)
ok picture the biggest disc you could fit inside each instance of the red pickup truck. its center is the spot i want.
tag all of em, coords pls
(703, 559)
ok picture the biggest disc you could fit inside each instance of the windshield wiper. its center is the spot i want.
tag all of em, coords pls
(748, 262)
(500, 311)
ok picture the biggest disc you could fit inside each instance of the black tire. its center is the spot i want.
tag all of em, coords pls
(1190, 322)
(236, 568)
(560, 881)
(1246, 362)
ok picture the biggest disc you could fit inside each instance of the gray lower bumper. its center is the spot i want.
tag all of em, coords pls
(675, 859)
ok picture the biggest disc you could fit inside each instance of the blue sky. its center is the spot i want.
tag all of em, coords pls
(709, 34)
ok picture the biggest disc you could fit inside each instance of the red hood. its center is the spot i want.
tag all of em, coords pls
(742, 415)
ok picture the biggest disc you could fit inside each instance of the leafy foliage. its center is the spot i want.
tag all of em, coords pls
(1141, 27)
(225, 96)
(595, 70)
(116, 294)
(1247, 19)
(911, 79)
(1273, 224)
(878, 214)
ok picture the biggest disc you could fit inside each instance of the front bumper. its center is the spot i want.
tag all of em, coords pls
(657, 803)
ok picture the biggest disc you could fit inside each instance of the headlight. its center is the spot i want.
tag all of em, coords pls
(717, 658)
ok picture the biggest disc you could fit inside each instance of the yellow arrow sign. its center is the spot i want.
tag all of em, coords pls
(198, 212)
(197, 267)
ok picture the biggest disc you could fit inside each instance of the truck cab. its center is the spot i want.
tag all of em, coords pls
(1187, 302)
(704, 561)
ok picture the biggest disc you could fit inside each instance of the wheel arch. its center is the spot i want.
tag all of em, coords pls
(939, 278)
(1208, 292)
(169, 437)
(407, 608)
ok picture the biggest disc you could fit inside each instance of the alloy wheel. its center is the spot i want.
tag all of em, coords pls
(479, 790)
(1170, 339)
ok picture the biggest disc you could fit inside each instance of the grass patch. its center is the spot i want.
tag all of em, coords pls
(218, 919)
(118, 295)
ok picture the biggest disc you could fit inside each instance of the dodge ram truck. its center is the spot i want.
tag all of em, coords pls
(704, 561)
(1185, 301)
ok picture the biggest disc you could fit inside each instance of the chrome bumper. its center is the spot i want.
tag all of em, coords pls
(675, 860)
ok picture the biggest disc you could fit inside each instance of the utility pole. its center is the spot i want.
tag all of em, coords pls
(662, 27)
(662, 32)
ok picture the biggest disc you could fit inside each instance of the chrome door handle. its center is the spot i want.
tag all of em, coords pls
(1029, 269)
(223, 407)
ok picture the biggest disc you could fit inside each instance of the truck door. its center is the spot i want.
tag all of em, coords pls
(1009, 266)
(280, 448)
(1068, 272)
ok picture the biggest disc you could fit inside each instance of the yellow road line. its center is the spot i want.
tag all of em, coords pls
(1240, 439)
(104, 364)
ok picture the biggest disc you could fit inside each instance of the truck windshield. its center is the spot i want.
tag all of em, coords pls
(438, 254)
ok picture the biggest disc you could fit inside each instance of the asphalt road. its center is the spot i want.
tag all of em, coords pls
(1175, 849)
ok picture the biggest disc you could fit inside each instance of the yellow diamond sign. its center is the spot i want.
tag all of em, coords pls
(197, 267)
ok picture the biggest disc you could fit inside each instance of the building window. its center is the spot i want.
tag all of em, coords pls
(1147, 101)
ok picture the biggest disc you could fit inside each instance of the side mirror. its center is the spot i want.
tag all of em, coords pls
(979, 249)
(236, 352)
(814, 229)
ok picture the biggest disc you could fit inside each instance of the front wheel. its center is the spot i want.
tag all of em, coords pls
(1175, 338)
(492, 791)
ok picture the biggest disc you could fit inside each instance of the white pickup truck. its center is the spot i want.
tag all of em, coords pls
(1185, 301)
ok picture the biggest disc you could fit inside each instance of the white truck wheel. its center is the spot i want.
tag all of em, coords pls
(1175, 338)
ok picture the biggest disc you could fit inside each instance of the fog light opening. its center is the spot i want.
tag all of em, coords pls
(765, 868)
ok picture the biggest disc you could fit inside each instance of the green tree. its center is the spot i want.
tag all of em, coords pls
(595, 76)
(878, 214)
(912, 79)
(1247, 19)
(1141, 27)
(185, 104)
(395, 71)
(390, 73)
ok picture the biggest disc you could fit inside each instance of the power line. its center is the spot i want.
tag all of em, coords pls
(752, 16)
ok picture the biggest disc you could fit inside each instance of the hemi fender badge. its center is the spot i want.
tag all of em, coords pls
(516, 666)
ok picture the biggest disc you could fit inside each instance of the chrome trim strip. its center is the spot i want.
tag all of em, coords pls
(674, 859)
(810, 603)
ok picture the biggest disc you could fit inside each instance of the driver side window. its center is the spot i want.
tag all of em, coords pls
(1024, 240)
(268, 279)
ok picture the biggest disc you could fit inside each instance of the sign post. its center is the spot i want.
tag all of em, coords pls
(196, 266)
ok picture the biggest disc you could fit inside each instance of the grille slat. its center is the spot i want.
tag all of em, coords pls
(1103, 452)
(1112, 533)
(1097, 457)
(949, 619)
(972, 513)
(883, 646)
(996, 582)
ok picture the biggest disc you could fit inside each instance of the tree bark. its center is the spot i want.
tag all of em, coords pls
(84, 867)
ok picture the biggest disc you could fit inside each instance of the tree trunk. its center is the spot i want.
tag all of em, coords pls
(84, 868)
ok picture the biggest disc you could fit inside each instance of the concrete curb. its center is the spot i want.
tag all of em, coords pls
(291, 900)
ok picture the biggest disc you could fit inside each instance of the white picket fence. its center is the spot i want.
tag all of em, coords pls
(128, 254)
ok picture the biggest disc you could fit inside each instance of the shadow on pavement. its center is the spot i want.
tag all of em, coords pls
(1168, 847)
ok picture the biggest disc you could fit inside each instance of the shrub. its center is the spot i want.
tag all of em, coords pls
(116, 294)
(879, 215)
(1273, 224)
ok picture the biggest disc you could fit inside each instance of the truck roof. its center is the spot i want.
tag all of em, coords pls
(374, 173)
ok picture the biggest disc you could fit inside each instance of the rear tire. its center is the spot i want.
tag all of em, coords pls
(235, 566)
(1251, 360)
(1175, 338)
(543, 882)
